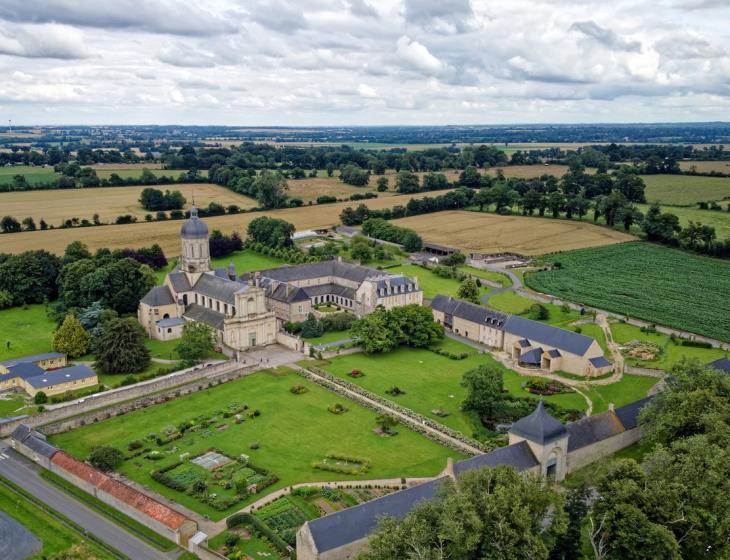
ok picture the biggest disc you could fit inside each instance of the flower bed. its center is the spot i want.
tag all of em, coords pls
(345, 464)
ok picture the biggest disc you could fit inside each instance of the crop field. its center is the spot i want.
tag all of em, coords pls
(109, 202)
(31, 173)
(685, 190)
(167, 234)
(288, 446)
(105, 172)
(720, 220)
(665, 286)
(706, 166)
(529, 171)
(490, 233)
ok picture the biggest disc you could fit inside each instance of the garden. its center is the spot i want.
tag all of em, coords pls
(292, 433)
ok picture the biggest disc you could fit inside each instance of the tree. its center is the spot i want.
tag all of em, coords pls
(197, 341)
(271, 232)
(435, 182)
(106, 457)
(6, 299)
(71, 338)
(76, 251)
(386, 422)
(29, 224)
(470, 177)
(468, 290)
(483, 198)
(382, 184)
(538, 312)
(311, 327)
(412, 242)
(568, 546)
(407, 182)
(9, 225)
(556, 203)
(30, 277)
(374, 332)
(40, 398)
(414, 325)
(121, 347)
(270, 188)
(361, 252)
(630, 185)
(354, 175)
(484, 391)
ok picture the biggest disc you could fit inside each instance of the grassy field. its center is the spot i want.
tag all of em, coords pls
(167, 234)
(109, 202)
(31, 173)
(685, 190)
(706, 166)
(29, 331)
(431, 283)
(490, 233)
(671, 352)
(498, 277)
(511, 302)
(720, 220)
(658, 284)
(10, 404)
(631, 388)
(126, 172)
(56, 536)
(288, 445)
(332, 336)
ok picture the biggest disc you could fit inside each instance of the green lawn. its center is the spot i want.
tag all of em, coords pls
(595, 331)
(512, 302)
(244, 261)
(672, 353)
(293, 431)
(431, 381)
(32, 174)
(719, 219)
(631, 388)
(166, 350)
(431, 284)
(685, 190)
(9, 406)
(55, 535)
(332, 336)
(502, 279)
(29, 331)
(253, 547)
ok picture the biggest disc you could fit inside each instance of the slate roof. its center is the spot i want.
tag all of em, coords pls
(524, 343)
(32, 359)
(517, 455)
(179, 281)
(554, 353)
(593, 429)
(194, 227)
(353, 272)
(159, 295)
(629, 414)
(539, 426)
(347, 230)
(532, 357)
(63, 375)
(348, 525)
(40, 446)
(222, 289)
(599, 362)
(395, 282)
(170, 322)
(568, 341)
(468, 311)
(201, 314)
(333, 289)
(21, 432)
(278, 291)
(723, 364)
(23, 370)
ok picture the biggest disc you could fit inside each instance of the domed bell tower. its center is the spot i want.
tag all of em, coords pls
(195, 255)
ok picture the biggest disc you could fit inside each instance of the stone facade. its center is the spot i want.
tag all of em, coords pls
(45, 372)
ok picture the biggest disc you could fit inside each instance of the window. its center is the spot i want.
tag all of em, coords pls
(169, 330)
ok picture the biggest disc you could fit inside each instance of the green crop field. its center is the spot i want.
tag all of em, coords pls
(685, 190)
(658, 284)
(31, 173)
(288, 445)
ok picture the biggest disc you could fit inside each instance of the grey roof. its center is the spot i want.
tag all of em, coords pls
(63, 375)
(21, 432)
(201, 314)
(347, 230)
(179, 281)
(554, 353)
(40, 446)
(332, 289)
(723, 364)
(219, 288)
(353, 272)
(517, 455)
(194, 227)
(284, 291)
(629, 414)
(171, 322)
(568, 341)
(159, 295)
(468, 311)
(354, 523)
(532, 357)
(524, 343)
(599, 362)
(539, 426)
(32, 359)
(593, 429)
(386, 281)
(24, 370)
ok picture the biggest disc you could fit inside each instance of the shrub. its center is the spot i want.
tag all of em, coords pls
(337, 408)
(40, 398)
(298, 389)
(255, 445)
(231, 540)
(136, 444)
(105, 457)
(394, 391)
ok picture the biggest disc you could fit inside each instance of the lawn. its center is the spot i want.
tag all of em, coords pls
(332, 336)
(431, 381)
(56, 536)
(719, 219)
(665, 286)
(595, 331)
(498, 277)
(671, 354)
(631, 388)
(25, 331)
(166, 350)
(32, 174)
(431, 284)
(10, 404)
(512, 302)
(293, 432)
(685, 190)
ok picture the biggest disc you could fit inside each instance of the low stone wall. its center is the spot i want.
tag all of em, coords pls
(644, 371)
(113, 397)
(290, 341)
(591, 453)
(204, 553)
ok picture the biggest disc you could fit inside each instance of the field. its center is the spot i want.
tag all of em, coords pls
(25, 331)
(288, 446)
(490, 233)
(720, 220)
(661, 285)
(685, 190)
(31, 173)
(530, 171)
(706, 166)
(128, 172)
(109, 202)
(431, 284)
(167, 234)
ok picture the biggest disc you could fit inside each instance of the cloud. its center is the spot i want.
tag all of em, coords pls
(453, 16)
(178, 17)
(187, 57)
(362, 8)
(366, 91)
(417, 55)
(605, 36)
(42, 41)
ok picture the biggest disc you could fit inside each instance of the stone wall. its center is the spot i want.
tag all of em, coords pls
(591, 453)
(290, 341)
(113, 397)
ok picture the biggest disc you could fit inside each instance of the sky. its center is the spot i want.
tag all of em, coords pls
(363, 62)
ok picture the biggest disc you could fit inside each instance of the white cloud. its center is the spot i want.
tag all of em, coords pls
(42, 41)
(417, 55)
(366, 91)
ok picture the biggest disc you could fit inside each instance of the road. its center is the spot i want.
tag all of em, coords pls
(17, 469)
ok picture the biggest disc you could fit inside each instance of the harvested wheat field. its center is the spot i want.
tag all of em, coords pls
(706, 166)
(55, 206)
(167, 234)
(490, 233)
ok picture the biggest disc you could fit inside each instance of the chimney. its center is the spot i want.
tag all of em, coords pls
(449, 471)
(231, 271)
(257, 278)
(611, 407)
(339, 258)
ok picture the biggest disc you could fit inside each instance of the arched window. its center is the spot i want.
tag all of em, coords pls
(166, 316)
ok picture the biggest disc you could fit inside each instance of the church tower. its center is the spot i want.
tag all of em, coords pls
(195, 255)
